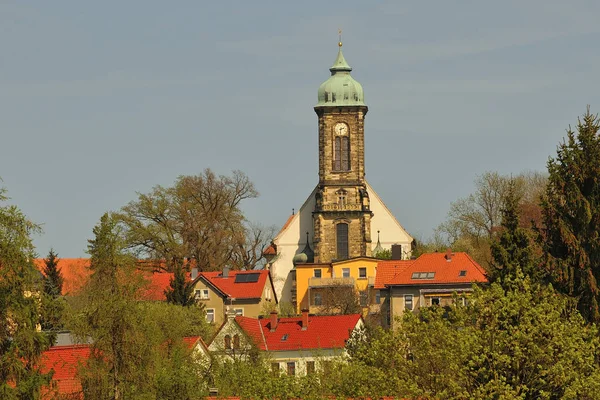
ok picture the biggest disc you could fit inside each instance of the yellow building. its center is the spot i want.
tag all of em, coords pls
(335, 287)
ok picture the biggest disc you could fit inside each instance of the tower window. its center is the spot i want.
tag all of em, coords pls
(341, 153)
(342, 241)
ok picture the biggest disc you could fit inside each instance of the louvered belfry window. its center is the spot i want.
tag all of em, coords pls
(341, 153)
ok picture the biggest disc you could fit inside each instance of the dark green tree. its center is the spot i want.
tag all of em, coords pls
(21, 343)
(53, 281)
(511, 250)
(570, 235)
(180, 290)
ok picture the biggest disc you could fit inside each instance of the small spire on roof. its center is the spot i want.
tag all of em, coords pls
(340, 36)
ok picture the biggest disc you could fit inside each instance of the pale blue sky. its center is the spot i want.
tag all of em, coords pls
(101, 99)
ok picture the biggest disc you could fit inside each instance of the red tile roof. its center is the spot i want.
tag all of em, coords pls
(271, 250)
(238, 290)
(158, 282)
(75, 272)
(323, 332)
(387, 270)
(445, 271)
(64, 361)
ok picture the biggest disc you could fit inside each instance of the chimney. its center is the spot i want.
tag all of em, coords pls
(226, 272)
(194, 273)
(273, 321)
(304, 319)
(448, 254)
(396, 252)
(230, 314)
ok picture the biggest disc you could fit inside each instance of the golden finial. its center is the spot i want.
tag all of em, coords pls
(340, 35)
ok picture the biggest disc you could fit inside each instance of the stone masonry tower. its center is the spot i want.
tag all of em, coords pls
(342, 215)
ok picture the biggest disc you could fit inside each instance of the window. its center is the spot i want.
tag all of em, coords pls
(363, 298)
(346, 272)
(236, 341)
(227, 342)
(362, 273)
(317, 273)
(317, 299)
(423, 275)
(408, 302)
(310, 367)
(462, 273)
(377, 297)
(435, 301)
(291, 368)
(275, 368)
(239, 312)
(210, 315)
(341, 153)
(342, 241)
(201, 294)
(247, 278)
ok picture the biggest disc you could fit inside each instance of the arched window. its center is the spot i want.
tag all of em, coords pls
(342, 241)
(236, 341)
(227, 342)
(341, 151)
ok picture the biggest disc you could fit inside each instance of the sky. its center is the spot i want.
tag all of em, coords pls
(100, 100)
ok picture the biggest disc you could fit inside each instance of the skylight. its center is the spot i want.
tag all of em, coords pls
(284, 337)
(462, 273)
(423, 275)
(246, 278)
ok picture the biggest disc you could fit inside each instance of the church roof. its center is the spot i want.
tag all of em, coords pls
(340, 89)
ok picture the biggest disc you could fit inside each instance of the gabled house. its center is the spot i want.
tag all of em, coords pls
(247, 293)
(430, 280)
(296, 345)
(324, 288)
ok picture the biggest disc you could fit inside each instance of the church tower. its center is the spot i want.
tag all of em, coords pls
(342, 214)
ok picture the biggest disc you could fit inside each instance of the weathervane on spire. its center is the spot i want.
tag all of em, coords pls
(340, 35)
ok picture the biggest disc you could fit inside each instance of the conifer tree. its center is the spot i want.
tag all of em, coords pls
(111, 320)
(180, 290)
(570, 235)
(511, 250)
(21, 343)
(53, 281)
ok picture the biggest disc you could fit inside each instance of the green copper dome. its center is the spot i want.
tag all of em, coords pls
(341, 89)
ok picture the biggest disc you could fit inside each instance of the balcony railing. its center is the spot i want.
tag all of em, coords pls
(328, 282)
(342, 207)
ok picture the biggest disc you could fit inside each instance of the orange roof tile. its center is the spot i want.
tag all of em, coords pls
(323, 332)
(287, 223)
(64, 361)
(446, 271)
(75, 272)
(237, 290)
(387, 270)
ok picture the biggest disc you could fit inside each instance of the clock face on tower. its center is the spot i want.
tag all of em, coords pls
(340, 128)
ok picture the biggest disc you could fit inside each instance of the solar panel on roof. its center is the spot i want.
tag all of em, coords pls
(246, 278)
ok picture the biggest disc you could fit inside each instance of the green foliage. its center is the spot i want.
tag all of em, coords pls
(180, 290)
(21, 344)
(53, 280)
(520, 340)
(571, 216)
(511, 250)
(384, 254)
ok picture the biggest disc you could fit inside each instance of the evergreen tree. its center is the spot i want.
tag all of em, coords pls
(21, 343)
(570, 235)
(180, 291)
(511, 250)
(53, 281)
(111, 320)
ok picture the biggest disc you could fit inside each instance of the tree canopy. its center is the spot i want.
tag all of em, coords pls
(197, 218)
(571, 216)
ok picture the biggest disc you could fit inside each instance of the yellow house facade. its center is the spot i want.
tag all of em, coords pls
(324, 288)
